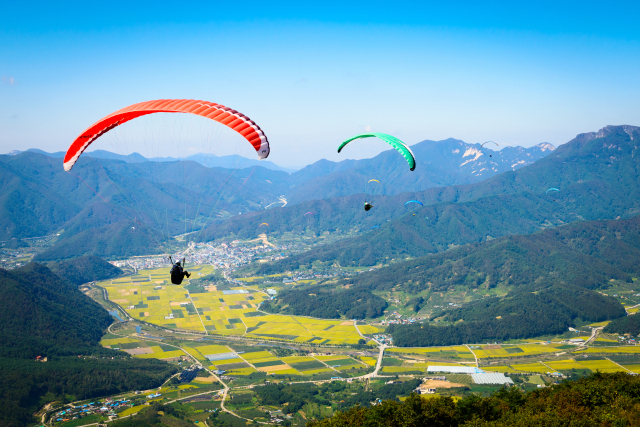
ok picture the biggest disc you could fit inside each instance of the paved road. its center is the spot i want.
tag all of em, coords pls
(594, 333)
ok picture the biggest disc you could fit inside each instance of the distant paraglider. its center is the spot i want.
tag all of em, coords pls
(492, 142)
(552, 189)
(375, 226)
(368, 204)
(414, 201)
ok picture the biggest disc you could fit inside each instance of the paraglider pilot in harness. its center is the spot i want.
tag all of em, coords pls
(177, 273)
(367, 206)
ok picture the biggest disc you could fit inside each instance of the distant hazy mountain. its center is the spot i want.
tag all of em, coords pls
(37, 197)
(439, 164)
(233, 161)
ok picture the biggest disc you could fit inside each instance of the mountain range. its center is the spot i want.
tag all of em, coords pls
(232, 161)
(597, 174)
(175, 197)
(438, 164)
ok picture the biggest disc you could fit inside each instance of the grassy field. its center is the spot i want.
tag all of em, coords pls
(599, 324)
(635, 368)
(242, 363)
(159, 353)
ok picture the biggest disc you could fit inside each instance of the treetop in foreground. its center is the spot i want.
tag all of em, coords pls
(597, 400)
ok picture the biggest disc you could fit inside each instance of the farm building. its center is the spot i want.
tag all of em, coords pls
(491, 378)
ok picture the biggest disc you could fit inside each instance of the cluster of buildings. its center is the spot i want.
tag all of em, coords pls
(9, 260)
(107, 407)
(224, 256)
(384, 339)
(396, 318)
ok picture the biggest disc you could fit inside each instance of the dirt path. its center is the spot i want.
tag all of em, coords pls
(474, 355)
(263, 239)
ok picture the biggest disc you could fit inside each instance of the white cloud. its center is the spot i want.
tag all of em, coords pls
(8, 80)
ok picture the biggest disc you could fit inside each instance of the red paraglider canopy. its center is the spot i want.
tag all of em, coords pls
(228, 117)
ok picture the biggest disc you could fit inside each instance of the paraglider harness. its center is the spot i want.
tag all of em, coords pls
(177, 274)
(367, 206)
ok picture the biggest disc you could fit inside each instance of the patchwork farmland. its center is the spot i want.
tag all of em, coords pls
(233, 311)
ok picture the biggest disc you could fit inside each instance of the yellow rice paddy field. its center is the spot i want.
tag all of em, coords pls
(150, 297)
(509, 351)
(564, 365)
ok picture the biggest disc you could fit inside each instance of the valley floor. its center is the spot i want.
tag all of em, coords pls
(236, 364)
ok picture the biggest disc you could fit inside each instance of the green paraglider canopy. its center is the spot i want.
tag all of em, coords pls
(400, 146)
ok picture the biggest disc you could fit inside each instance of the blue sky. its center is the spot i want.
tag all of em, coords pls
(312, 76)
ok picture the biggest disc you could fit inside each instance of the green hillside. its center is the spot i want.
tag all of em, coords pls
(40, 198)
(586, 254)
(44, 315)
(85, 269)
(549, 278)
(518, 315)
(624, 325)
(118, 240)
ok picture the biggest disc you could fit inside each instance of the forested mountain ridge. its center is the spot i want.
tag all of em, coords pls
(39, 198)
(586, 254)
(119, 240)
(85, 269)
(232, 161)
(44, 315)
(36, 319)
(550, 277)
(520, 314)
(597, 174)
